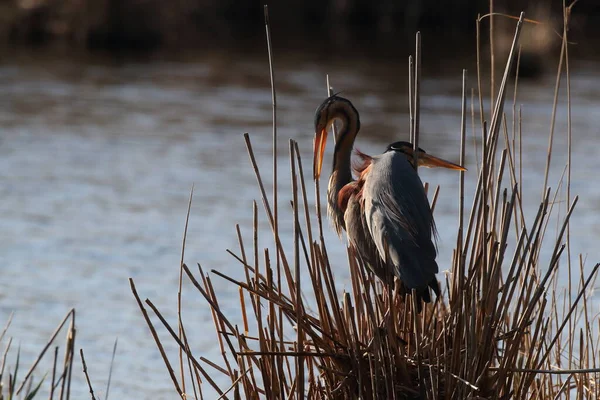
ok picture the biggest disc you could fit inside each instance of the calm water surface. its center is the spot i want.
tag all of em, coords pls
(97, 161)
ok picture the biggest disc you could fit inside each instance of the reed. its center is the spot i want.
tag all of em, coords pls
(505, 328)
(57, 382)
(54, 384)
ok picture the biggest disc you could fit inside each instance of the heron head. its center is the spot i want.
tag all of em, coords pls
(332, 108)
(424, 159)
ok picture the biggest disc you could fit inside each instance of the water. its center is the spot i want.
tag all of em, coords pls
(97, 161)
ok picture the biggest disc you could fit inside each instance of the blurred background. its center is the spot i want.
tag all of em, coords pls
(110, 110)
(146, 25)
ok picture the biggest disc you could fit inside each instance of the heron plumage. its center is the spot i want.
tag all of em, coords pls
(385, 212)
(400, 221)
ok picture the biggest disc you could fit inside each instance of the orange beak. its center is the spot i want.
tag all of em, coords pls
(319, 151)
(429, 161)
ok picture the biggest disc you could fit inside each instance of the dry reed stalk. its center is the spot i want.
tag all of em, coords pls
(411, 75)
(417, 103)
(492, 56)
(87, 377)
(181, 329)
(498, 335)
(110, 369)
(329, 94)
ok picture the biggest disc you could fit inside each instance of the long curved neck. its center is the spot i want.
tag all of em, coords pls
(342, 171)
(348, 116)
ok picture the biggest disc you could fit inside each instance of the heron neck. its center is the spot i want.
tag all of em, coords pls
(342, 171)
(342, 165)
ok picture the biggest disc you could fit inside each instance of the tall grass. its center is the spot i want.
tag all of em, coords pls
(502, 329)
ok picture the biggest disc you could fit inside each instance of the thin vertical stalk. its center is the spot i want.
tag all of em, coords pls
(87, 377)
(553, 118)
(180, 327)
(110, 370)
(53, 381)
(274, 101)
(329, 94)
(479, 87)
(298, 288)
(461, 207)
(566, 15)
(417, 104)
(492, 56)
(411, 75)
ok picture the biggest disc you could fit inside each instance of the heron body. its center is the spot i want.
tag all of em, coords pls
(385, 211)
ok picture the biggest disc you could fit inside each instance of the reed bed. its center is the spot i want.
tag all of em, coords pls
(505, 328)
(56, 382)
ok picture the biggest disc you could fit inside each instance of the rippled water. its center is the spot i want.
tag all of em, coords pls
(97, 161)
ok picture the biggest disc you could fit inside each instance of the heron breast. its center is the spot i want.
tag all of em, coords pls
(349, 190)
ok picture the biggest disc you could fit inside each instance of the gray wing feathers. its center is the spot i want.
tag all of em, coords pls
(360, 238)
(399, 219)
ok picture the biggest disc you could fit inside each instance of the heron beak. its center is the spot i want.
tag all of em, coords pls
(319, 151)
(429, 161)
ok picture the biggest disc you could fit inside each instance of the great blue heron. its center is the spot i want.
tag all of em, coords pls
(385, 212)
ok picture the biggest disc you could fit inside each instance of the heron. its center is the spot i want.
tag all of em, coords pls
(384, 211)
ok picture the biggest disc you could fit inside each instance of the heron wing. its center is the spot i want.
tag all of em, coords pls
(360, 239)
(399, 220)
